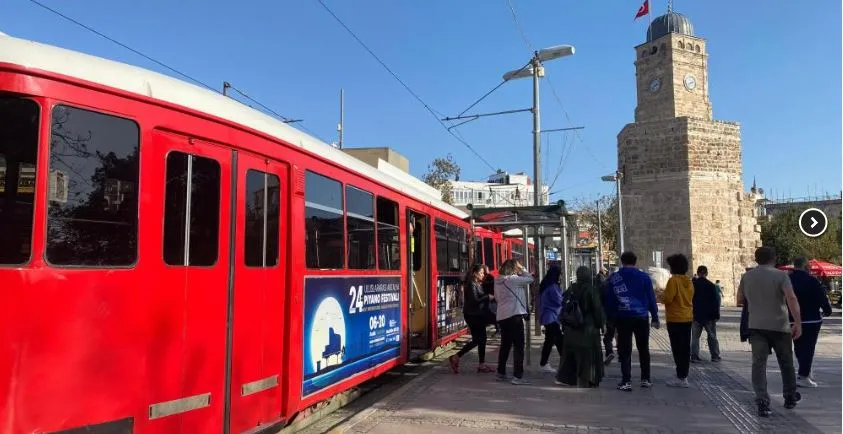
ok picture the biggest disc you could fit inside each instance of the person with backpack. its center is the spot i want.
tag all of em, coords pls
(476, 313)
(631, 301)
(582, 320)
(550, 294)
(511, 293)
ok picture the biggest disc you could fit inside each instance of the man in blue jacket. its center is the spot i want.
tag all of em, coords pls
(812, 298)
(630, 298)
(706, 314)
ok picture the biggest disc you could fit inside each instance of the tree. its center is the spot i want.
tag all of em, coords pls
(586, 210)
(439, 172)
(782, 233)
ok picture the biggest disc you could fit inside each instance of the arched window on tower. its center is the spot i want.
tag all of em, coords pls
(681, 44)
(698, 48)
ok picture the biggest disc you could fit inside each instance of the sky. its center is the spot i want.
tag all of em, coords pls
(774, 68)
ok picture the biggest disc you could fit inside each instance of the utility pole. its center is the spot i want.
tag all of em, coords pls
(538, 71)
(342, 116)
(599, 239)
(618, 177)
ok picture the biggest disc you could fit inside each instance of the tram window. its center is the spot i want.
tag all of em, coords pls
(360, 227)
(462, 249)
(92, 218)
(498, 253)
(478, 251)
(489, 253)
(441, 229)
(203, 213)
(389, 249)
(324, 237)
(454, 243)
(261, 228)
(18, 159)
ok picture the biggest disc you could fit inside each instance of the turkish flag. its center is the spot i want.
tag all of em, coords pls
(643, 10)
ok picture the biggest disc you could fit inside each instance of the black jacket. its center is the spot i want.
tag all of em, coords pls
(476, 301)
(706, 301)
(811, 295)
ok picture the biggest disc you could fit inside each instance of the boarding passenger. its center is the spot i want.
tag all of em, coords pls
(475, 311)
(511, 294)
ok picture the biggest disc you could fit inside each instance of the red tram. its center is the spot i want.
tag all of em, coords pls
(175, 262)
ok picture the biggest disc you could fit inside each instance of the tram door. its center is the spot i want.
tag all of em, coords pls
(418, 226)
(256, 306)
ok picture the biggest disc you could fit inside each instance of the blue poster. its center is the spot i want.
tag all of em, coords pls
(351, 324)
(449, 304)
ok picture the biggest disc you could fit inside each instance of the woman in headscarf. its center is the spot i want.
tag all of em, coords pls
(550, 294)
(582, 320)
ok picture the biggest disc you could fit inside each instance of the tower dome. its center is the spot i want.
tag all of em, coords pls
(671, 22)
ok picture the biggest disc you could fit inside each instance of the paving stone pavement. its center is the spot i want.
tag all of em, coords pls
(720, 399)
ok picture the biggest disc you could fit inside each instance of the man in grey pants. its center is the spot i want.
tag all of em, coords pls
(769, 294)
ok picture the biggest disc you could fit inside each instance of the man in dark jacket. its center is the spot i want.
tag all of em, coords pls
(706, 314)
(609, 332)
(812, 298)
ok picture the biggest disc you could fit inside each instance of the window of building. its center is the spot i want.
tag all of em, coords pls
(92, 217)
(18, 161)
(262, 219)
(191, 210)
(360, 227)
(489, 253)
(324, 237)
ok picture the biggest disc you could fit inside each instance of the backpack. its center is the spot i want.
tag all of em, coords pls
(572, 316)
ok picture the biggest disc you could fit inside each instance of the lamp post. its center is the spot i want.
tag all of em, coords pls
(535, 70)
(616, 178)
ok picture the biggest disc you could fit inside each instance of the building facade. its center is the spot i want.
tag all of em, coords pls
(682, 185)
(501, 189)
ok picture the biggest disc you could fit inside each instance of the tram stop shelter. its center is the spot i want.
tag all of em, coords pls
(537, 222)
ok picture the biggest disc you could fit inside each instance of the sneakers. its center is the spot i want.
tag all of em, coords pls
(806, 382)
(485, 369)
(455, 363)
(716, 359)
(500, 377)
(625, 387)
(646, 384)
(520, 381)
(608, 359)
(559, 383)
(695, 359)
(790, 401)
(678, 382)
(764, 409)
(548, 369)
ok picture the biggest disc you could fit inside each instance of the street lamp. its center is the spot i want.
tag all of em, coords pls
(616, 178)
(535, 69)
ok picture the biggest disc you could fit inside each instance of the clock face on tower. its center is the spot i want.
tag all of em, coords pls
(690, 82)
(655, 85)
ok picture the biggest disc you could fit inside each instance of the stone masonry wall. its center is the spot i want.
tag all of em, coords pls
(724, 230)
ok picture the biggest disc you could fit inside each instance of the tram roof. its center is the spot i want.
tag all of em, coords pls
(133, 79)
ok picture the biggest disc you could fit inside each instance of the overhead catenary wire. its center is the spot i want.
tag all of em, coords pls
(530, 46)
(164, 65)
(432, 112)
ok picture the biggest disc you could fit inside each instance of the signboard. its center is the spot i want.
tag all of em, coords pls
(351, 324)
(449, 303)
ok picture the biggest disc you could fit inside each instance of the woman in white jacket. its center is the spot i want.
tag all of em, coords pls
(511, 294)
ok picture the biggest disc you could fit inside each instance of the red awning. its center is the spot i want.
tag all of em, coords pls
(820, 268)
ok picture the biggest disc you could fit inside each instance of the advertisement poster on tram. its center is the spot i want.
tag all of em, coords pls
(449, 305)
(351, 324)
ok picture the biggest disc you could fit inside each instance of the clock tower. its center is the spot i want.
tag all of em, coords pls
(682, 174)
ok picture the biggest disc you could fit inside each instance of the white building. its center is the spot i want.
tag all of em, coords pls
(500, 190)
